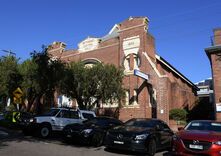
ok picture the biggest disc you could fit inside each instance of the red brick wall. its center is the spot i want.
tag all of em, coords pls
(216, 70)
(214, 54)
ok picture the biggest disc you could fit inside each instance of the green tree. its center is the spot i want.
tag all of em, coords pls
(92, 85)
(42, 76)
(10, 78)
(178, 114)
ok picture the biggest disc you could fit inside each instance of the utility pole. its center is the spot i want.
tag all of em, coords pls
(9, 52)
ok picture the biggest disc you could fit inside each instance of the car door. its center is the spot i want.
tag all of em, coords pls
(61, 120)
(74, 117)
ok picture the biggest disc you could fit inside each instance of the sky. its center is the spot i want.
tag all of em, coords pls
(181, 28)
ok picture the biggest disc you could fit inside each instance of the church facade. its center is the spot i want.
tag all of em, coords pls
(153, 86)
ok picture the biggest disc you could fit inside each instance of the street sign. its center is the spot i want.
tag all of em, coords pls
(17, 100)
(141, 74)
(18, 93)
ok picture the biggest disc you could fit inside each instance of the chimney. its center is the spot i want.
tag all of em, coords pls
(217, 36)
(56, 48)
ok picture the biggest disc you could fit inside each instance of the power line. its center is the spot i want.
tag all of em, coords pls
(9, 52)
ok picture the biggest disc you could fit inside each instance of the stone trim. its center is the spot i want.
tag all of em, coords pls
(90, 51)
(141, 25)
(153, 65)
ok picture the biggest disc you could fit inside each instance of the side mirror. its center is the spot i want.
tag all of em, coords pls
(180, 128)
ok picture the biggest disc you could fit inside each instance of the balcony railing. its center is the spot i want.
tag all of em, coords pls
(215, 40)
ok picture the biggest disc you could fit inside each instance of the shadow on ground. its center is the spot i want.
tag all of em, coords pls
(18, 136)
(165, 153)
(56, 138)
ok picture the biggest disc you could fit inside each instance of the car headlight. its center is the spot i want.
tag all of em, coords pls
(141, 137)
(218, 143)
(87, 131)
(32, 120)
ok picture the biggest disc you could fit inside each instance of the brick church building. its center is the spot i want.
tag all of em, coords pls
(153, 86)
(214, 54)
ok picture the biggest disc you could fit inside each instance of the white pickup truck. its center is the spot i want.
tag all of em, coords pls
(55, 120)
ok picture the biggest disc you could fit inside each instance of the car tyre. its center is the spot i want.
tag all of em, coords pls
(45, 131)
(97, 139)
(151, 148)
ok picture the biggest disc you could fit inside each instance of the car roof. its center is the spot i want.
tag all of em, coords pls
(62, 108)
(85, 111)
(205, 121)
(146, 119)
(106, 117)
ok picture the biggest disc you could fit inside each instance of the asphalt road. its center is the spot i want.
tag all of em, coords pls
(14, 143)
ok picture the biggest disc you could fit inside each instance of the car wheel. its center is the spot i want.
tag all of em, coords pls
(151, 148)
(45, 131)
(97, 139)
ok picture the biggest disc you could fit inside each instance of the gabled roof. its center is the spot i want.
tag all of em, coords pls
(175, 71)
(112, 33)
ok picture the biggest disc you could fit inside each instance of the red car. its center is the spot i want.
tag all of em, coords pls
(200, 137)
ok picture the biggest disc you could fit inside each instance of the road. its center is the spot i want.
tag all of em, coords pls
(14, 143)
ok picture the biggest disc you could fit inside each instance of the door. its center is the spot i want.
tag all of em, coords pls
(61, 120)
(74, 117)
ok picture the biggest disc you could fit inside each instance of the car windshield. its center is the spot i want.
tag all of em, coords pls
(52, 112)
(204, 126)
(140, 123)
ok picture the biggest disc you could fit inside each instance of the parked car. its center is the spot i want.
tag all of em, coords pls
(55, 120)
(141, 135)
(91, 131)
(199, 137)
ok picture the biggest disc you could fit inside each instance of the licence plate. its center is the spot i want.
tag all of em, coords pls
(196, 146)
(119, 142)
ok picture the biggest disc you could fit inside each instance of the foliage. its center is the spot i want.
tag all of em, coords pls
(178, 114)
(10, 77)
(41, 76)
(92, 85)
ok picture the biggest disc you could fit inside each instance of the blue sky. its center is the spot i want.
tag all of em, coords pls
(182, 28)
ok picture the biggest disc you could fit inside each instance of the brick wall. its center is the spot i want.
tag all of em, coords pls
(214, 54)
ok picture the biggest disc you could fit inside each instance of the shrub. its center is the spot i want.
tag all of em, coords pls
(178, 114)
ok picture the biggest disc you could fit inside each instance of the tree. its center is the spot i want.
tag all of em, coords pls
(178, 114)
(42, 75)
(10, 78)
(92, 85)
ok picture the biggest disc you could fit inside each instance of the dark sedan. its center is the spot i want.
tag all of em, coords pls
(91, 132)
(141, 135)
(200, 137)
